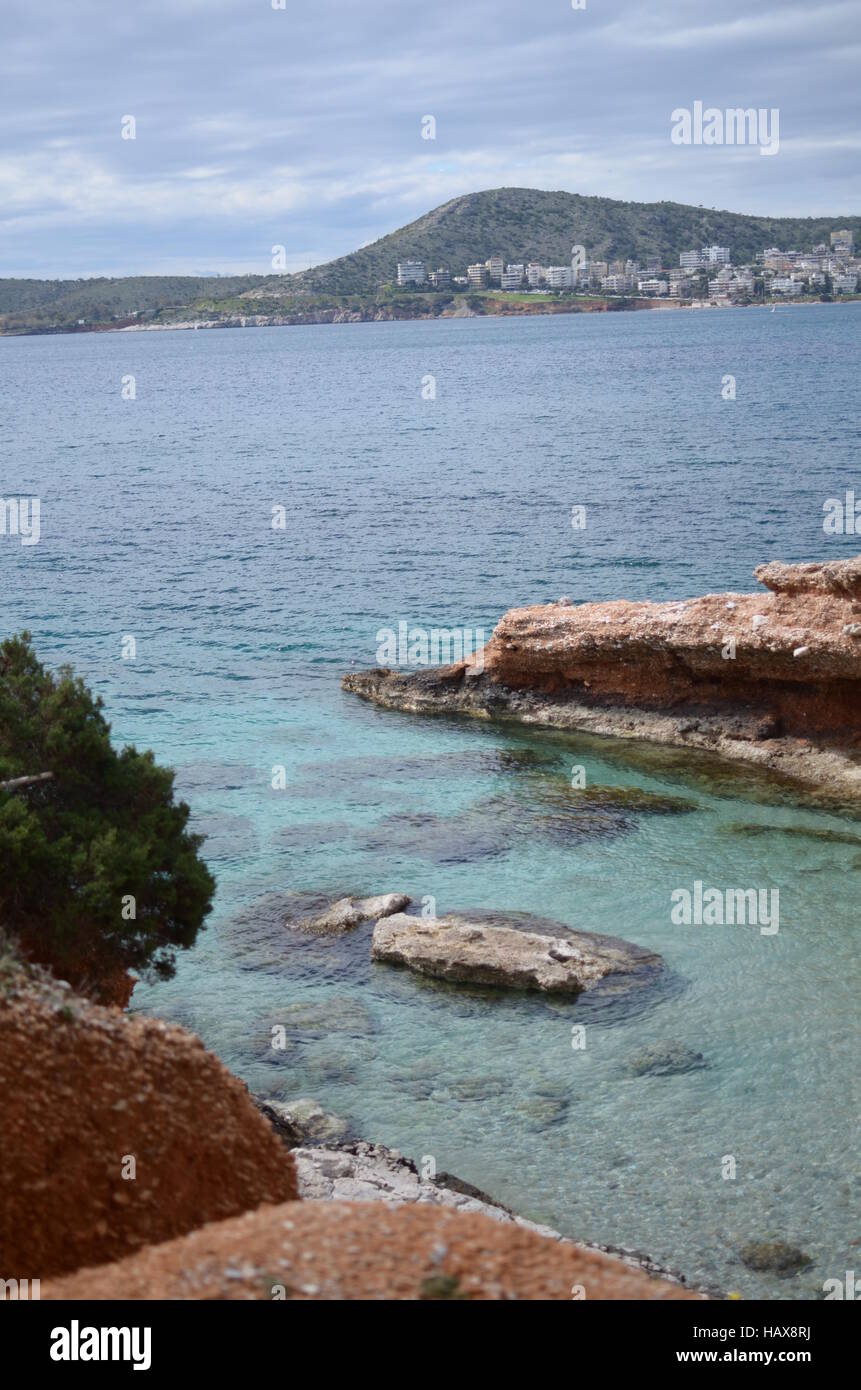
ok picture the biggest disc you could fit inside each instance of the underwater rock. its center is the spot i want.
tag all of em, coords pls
(774, 1257)
(666, 1059)
(478, 1088)
(635, 799)
(304, 1122)
(824, 834)
(543, 1111)
(459, 949)
(319, 1018)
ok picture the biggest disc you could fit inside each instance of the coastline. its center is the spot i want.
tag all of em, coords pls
(771, 679)
(317, 318)
(831, 772)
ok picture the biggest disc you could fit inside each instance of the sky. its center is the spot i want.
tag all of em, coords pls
(301, 126)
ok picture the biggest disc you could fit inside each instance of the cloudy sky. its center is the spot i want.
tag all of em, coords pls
(302, 126)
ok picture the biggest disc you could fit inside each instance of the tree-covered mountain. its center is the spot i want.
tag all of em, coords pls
(61, 303)
(521, 224)
(527, 224)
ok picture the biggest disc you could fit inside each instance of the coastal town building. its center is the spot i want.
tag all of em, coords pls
(652, 287)
(704, 275)
(495, 268)
(411, 273)
(559, 277)
(618, 284)
(512, 277)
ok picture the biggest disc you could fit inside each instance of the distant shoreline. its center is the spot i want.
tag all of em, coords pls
(315, 318)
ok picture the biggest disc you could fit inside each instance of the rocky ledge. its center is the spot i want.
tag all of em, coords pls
(772, 678)
(457, 949)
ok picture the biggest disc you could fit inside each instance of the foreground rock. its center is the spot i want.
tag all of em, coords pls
(364, 1250)
(88, 1092)
(460, 950)
(771, 678)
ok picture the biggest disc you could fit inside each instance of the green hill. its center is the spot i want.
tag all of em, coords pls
(521, 224)
(526, 224)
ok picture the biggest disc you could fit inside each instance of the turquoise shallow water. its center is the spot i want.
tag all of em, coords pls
(155, 522)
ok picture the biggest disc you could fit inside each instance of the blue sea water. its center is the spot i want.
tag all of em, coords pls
(156, 523)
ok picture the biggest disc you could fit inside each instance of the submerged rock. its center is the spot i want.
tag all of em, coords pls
(635, 799)
(459, 949)
(319, 1018)
(479, 1088)
(774, 1257)
(825, 835)
(303, 1122)
(666, 1059)
(543, 1111)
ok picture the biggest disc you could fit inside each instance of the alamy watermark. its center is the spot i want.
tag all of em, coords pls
(737, 125)
(436, 646)
(21, 516)
(718, 907)
(842, 515)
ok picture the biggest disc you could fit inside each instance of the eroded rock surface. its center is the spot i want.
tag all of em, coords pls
(349, 912)
(87, 1092)
(771, 677)
(365, 1250)
(461, 950)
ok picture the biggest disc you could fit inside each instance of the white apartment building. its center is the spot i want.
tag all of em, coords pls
(534, 274)
(477, 276)
(653, 288)
(512, 277)
(716, 255)
(845, 284)
(617, 284)
(843, 241)
(560, 277)
(411, 273)
(495, 268)
(691, 260)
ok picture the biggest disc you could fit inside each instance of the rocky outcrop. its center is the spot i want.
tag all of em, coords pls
(773, 678)
(349, 912)
(365, 1250)
(116, 1132)
(841, 578)
(462, 950)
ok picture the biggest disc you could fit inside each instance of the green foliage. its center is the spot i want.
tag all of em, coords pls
(105, 827)
(521, 224)
(525, 224)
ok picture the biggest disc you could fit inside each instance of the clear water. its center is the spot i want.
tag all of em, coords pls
(156, 523)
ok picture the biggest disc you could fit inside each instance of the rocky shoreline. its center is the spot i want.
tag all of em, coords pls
(331, 1166)
(770, 679)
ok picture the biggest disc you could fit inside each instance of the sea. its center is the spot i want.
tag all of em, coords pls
(253, 508)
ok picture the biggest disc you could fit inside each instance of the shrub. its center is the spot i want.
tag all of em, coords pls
(75, 850)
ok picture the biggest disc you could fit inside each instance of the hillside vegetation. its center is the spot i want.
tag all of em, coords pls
(521, 224)
(526, 224)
